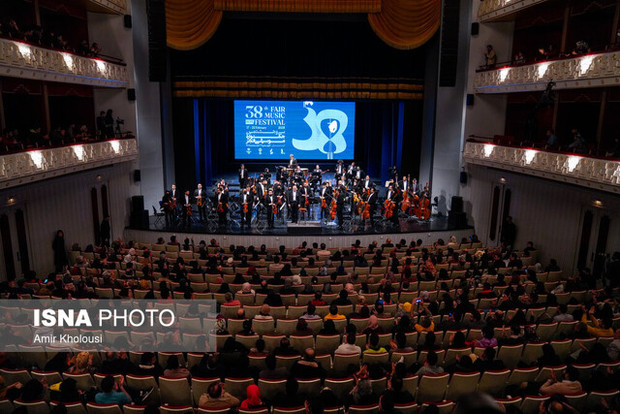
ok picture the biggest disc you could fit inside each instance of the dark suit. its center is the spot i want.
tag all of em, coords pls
(340, 209)
(294, 201)
(269, 200)
(202, 210)
(372, 202)
(243, 177)
(326, 194)
(246, 218)
(186, 202)
(221, 198)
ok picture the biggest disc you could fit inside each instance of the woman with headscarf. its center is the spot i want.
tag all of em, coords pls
(253, 401)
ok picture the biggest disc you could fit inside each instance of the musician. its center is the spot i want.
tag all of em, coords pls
(392, 196)
(247, 203)
(187, 208)
(243, 176)
(282, 175)
(393, 173)
(372, 203)
(340, 207)
(200, 197)
(351, 171)
(270, 201)
(173, 192)
(404, 185)
(367, 185)
(293, 203)
(414, 186)
(292, 162)
(317, 177)
(339, 170)
(299, 175)
(169, 209)
(221, 205)
(267, 176)
(359, 174)
(262, 189)
(325, 195)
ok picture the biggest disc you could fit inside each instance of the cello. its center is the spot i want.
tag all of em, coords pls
(425, 204)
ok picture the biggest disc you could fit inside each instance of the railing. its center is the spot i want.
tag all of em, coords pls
(595, 173)
(493, 9)
(22, 60)
(39, 164)
(585, 71)
(115, 6)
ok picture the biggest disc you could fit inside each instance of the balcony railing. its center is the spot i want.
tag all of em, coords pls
(40, 164)
(491, 10)
(108, 6)
(23, 60)
(585, 71)
(595, 173)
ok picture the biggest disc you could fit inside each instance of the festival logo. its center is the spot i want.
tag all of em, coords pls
(327, 128)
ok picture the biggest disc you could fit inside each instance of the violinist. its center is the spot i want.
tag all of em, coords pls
(200, 197)
(293, 203)
(221, 205)
(359, 173)
(187, 208)
(340, 207)
(325, 196)
(371, 204)
(272, 207)
(169, 207)
(367, 184)
(306, 194)
(247, 203)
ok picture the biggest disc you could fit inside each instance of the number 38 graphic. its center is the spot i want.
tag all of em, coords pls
(254, 111)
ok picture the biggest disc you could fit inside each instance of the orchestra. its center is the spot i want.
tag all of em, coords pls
(305, 194)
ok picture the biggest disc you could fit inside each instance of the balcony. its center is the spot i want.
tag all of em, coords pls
(107, 6)
(22, 60)
(585, 71)
(594, 173)
(493, 10)
(35, 165)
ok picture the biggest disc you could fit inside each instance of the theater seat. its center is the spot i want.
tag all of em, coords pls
(269, 388)
(432, 387)
(444, 407)
(175, 391)
(340, 386)
(210, 411)
(134, 409)
(327, 343)
(309, 387)
(364, 409)
(255, 411)
(34, 407)
(94, 408)
(343, 361)
(494, 382)
(531, 403)
(461, 384)
(411, 408)
(237, 386)
(200, 386)
(294, 410)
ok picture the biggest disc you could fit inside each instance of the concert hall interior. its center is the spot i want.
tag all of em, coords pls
(452, 166)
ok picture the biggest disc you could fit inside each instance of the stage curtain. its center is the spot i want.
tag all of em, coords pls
(190, 23)
(406, 24)
(402, 24)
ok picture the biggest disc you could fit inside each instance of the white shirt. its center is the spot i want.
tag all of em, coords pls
(186, 200)
(367, 185)
(348, 349)
(294, 195)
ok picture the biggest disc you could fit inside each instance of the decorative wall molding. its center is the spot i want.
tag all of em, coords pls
(22, 60)
(35, 165)
(491, 10)
(594, 173)
(587, 71)
(110, 6)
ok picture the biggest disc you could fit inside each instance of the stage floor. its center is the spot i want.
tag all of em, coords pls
(310, 227)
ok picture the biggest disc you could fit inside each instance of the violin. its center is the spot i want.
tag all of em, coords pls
(220, 207)
(188, 209)
(323, 202)
(245, 208)
(200, 201)
(274, 208)
(173, 204)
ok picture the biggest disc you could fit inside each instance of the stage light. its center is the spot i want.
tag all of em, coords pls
(502, 180)
(542, 69)
(116, 146)
(98, 178)
(11, 200)
(585, 63)
(78, 150)
(597, 203)
(24, 50)
(503, 74)
(37, 158)
(529, 156)
(572, 162)
(68, 60)
(488, 150)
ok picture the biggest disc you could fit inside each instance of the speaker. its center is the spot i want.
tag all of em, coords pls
(158, 51)
(463, 177)
(457, 204)
(470, 99)
(457, 220)
(131, 94)
(127, 19)
(449, 48)
(137, 204)
(136, 176)
(475, 28)
(139, 220)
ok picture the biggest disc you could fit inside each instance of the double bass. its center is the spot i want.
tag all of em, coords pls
(366, 211)
(334, 205)
(424, 211)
